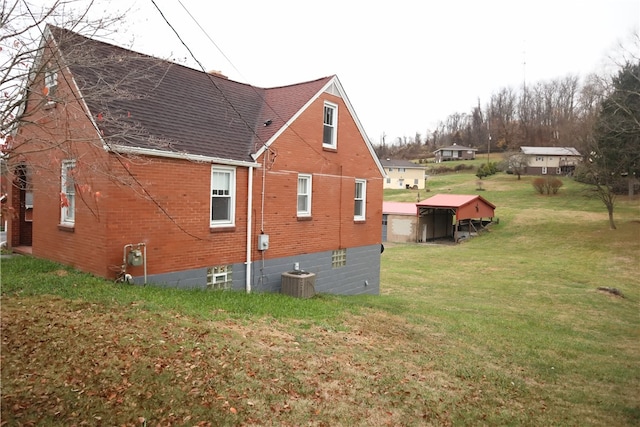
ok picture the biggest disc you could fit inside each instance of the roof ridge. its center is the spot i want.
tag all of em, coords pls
(181, 111)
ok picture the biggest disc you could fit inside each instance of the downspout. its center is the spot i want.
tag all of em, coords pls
(249, 228)
(340, 212)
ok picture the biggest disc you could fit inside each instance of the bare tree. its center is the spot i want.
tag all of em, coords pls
(503, 117)
(478, 128)
(32, 40)
(517, 163)
(22, 25)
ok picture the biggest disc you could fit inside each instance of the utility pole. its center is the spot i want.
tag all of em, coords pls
(488, 140)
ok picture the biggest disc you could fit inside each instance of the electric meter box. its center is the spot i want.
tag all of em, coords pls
(263, 242)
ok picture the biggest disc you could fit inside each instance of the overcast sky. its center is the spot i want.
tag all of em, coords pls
(405, 65)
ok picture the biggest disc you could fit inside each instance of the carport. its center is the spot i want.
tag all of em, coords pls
(453, 216)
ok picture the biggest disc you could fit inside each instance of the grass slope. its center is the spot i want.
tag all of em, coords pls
(505, 329)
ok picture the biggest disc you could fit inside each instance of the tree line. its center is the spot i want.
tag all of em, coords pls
(559, 112)
(600, 117)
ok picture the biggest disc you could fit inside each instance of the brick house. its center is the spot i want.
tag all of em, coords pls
(190, 179)
(454, 152)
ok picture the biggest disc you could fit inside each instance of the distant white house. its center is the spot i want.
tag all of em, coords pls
(551, 160)
(403, 174)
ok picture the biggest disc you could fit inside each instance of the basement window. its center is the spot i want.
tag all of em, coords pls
(219, 278)
(339, 258)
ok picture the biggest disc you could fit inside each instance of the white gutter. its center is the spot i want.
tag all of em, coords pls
(249, 227)
(176, 155)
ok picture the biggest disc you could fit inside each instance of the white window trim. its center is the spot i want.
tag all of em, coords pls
(67, 213)
(334, 125)
(362, 216)
(309, 189)
(544, 170)
(51, 83)
(232, 197)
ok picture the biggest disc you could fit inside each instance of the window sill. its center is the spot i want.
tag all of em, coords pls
(359, 221)
(305, 218)
(331, 149)
(225, 229)
(69, 228)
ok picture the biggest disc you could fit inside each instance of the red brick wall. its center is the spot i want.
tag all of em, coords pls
(299, 150)
(164, 203)
(171, 216)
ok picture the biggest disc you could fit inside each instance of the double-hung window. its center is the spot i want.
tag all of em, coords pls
(50, 84)
(330, 132)
(304, 195)
(360, 200)
(223, 196)
(68, 193)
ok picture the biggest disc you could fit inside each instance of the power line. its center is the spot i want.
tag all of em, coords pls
(251, 128)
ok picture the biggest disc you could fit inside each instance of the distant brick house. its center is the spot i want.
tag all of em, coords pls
(403, 174)
(454, 152)
(550, 160)
(190, 179)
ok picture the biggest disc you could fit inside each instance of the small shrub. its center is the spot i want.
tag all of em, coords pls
(538, 184)
(547, 185)
(554, 185)
(441, 170)
(487, 169)
(492, 167)
(462, 167)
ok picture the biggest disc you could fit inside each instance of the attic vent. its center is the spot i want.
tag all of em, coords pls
(333, 90)
(217, 73)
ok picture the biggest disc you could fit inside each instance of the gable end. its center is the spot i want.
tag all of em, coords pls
(332, 89)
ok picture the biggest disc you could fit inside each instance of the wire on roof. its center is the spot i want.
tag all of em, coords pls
(251, 128)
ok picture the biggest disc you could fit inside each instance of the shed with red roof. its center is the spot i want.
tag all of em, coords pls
(454, 216)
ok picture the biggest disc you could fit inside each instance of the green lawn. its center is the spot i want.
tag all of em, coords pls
(508, 328)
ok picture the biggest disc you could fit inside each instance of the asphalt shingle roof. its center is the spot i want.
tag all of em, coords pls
(145, 102)
(550, 151)
(456, 147)
(399, 163)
